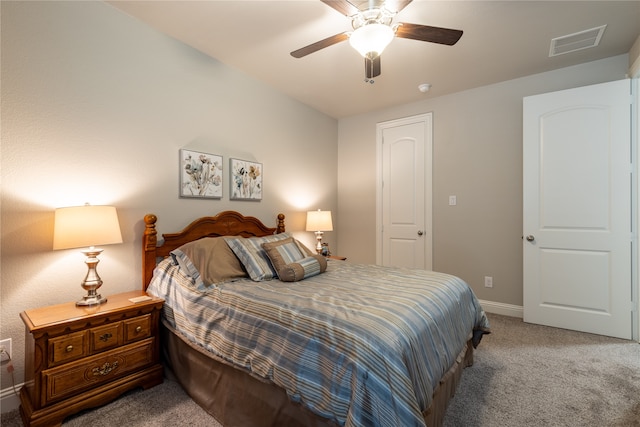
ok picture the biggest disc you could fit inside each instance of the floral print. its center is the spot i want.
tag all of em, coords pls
(246, 180)
(202, 175)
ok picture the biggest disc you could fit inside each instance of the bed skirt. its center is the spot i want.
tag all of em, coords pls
(235, 398)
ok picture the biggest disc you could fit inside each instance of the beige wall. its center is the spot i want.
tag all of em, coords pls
(95, 107)
(634, 59)
(477, 156)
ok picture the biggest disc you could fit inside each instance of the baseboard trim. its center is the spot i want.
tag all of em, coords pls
(9, 400)
(503, 309)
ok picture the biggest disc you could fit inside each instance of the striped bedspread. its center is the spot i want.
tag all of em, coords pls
(362, 345)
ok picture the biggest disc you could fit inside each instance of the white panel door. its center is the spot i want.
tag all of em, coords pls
(406, 192)
(577, 209)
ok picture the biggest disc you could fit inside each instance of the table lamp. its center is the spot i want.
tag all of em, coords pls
(87, 226)
(318, 222)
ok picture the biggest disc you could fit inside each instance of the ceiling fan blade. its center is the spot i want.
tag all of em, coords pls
(342, 6)
(426, 33)
(372, 67)
(314, 47)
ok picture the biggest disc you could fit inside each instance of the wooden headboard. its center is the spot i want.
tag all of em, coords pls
(227, 223)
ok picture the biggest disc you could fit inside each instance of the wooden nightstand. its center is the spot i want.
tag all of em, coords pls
(76, 359)
(339, 258)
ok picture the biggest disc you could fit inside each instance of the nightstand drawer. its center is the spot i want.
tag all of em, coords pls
(105, 337)
(67, 348)
(73, 378)
(137, 329)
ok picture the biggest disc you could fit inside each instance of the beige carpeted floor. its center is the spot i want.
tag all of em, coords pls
(523, 375)
(531, 375)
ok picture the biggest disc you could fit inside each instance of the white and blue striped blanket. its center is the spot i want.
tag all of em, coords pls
(362, 345)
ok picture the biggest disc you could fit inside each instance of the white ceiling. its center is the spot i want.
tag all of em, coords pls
(502, 40)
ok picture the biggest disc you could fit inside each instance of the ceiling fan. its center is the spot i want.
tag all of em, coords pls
(373, 30)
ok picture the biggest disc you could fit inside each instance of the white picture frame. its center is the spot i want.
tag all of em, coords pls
(245, 180)
(201, 175)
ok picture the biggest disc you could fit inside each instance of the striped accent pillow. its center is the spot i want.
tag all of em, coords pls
(254, 259)
(306, 267)
(283, 252)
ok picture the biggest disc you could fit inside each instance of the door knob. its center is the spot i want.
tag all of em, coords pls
(530, 238)
(420, 233)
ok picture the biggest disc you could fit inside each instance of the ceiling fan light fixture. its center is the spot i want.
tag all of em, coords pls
(371, 39)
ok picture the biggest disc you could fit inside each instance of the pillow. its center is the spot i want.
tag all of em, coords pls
(306, 267)
(282, 252)
(210, 258)
(254, 259)
(305, 250)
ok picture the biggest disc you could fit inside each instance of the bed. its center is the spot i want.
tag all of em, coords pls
(295, 340)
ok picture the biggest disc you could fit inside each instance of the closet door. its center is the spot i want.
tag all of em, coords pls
(404, 192)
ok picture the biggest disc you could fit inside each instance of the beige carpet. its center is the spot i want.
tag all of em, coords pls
(530, 375)
(524, 375)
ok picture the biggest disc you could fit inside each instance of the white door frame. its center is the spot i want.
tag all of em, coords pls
(427, 118)
(635, 213)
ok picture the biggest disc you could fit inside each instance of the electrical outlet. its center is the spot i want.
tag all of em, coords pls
(488, 282)
(5, 350)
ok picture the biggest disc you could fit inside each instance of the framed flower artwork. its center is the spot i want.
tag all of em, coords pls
(200, 175)
(246, 180)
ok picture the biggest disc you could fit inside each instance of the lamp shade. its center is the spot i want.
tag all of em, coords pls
(81, 226)
(371, 39)
(319, 221)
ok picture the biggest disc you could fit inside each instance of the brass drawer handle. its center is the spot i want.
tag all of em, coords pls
(138, 329)
(104, 369)
(105, 337)
(69, 349)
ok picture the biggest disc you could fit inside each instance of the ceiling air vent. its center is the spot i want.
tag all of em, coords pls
(576, 41)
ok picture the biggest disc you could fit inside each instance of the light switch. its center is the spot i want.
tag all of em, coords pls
(453, 201)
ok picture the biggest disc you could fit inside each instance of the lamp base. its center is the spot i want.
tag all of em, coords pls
(319, 241)
(89, 300)
(92, 281)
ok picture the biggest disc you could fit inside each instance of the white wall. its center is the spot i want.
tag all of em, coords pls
(477, 156)
(95, 107)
